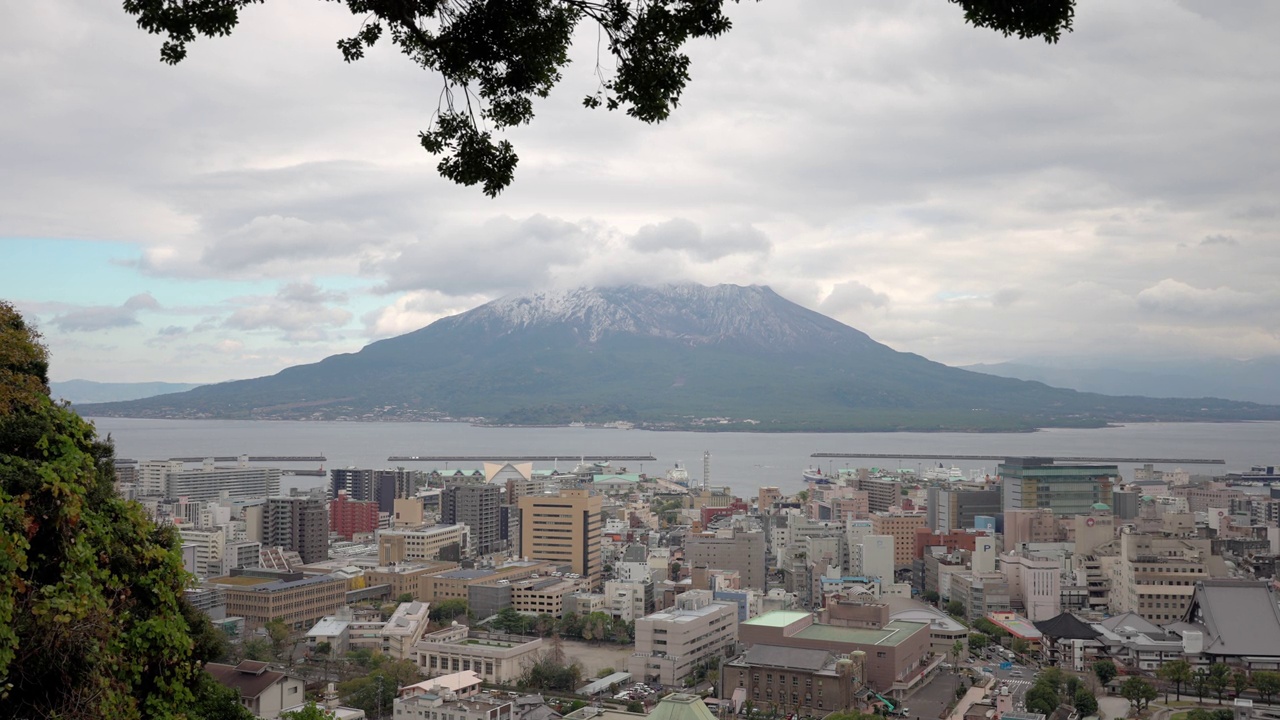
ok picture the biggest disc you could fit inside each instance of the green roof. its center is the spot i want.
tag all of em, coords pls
(892, 634)
(681, 706)
(777, 618)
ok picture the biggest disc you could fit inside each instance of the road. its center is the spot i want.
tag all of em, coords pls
(929, 701)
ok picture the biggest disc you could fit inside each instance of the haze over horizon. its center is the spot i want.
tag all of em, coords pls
(950, 192)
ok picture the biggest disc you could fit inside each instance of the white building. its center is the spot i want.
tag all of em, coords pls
(1036, 581)
(876, 557)
(173, 479)
(670, 643)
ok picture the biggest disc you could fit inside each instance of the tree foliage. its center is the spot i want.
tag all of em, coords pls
(377, 690)
(1106, 671)
(1267, 683)
(1176, 673)
(548, 674)
(91, 611)
(310, 711)
(1138, 691)
(448, 610)
(1085, 703)
(495, 59)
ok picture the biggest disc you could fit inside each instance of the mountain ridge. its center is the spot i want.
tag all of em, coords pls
(662, 357)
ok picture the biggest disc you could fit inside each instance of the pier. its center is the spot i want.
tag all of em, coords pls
(515, 458)
(1056, 458)
(254, 458)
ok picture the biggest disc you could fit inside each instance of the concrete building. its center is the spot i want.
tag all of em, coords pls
(429, 542)
(903, 529)
(297, 523)
(958, 509)
(457, 584)
(442, 703)
(670, 643)
(730, 549)
(1156, 576)
(476, 505)
(629, 600)
(348, 517)
(1035, 584)
(882, 492)
(207, 546)
(1064, 488)
(877, 558)
(564, 529)
(259, 596)
(769, 494)
(896, 653)
(173, 479)
(980, 593)
(496, 658)
(1031, 526)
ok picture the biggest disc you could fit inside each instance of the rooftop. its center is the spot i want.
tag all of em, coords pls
(891, 635)
(328, 627)
(777, 618)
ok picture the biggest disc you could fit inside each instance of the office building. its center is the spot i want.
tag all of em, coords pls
(299, 523)
(670, 643)
(564, 529)
(1064, 488)
(1156, 576)
(882, 492)
(1035, 584)
(495, 657)
(478, 506)
(260, 595)
(380, 486)
(958, 509)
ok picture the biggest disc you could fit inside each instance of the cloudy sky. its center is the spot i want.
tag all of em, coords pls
(951, 192)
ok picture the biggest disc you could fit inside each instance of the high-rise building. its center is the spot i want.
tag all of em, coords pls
(348, 517)
(1031, 483)
(298, 523)
(478, 506)
(563, 528)
(380, 486)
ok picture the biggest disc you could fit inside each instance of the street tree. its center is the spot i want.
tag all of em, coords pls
(1176, 673)
(1267, 683)
(1219, 679)
(495, 59)
(1239, 682)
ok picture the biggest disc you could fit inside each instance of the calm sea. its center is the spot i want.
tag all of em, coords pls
(743, 461)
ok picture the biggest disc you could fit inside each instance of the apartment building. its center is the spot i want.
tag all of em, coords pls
(299, 523)
(349, 517)
(902, 527)
(882, 492)
(730, 549)
(671, 643)
(565, 529)
(208, 546)
(476, 505)
(208, 481)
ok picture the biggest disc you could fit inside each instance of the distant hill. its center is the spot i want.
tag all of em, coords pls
(1247, 380)
(676, 356)
(88, 391)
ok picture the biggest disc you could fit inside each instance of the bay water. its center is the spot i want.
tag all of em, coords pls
(742, 461)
